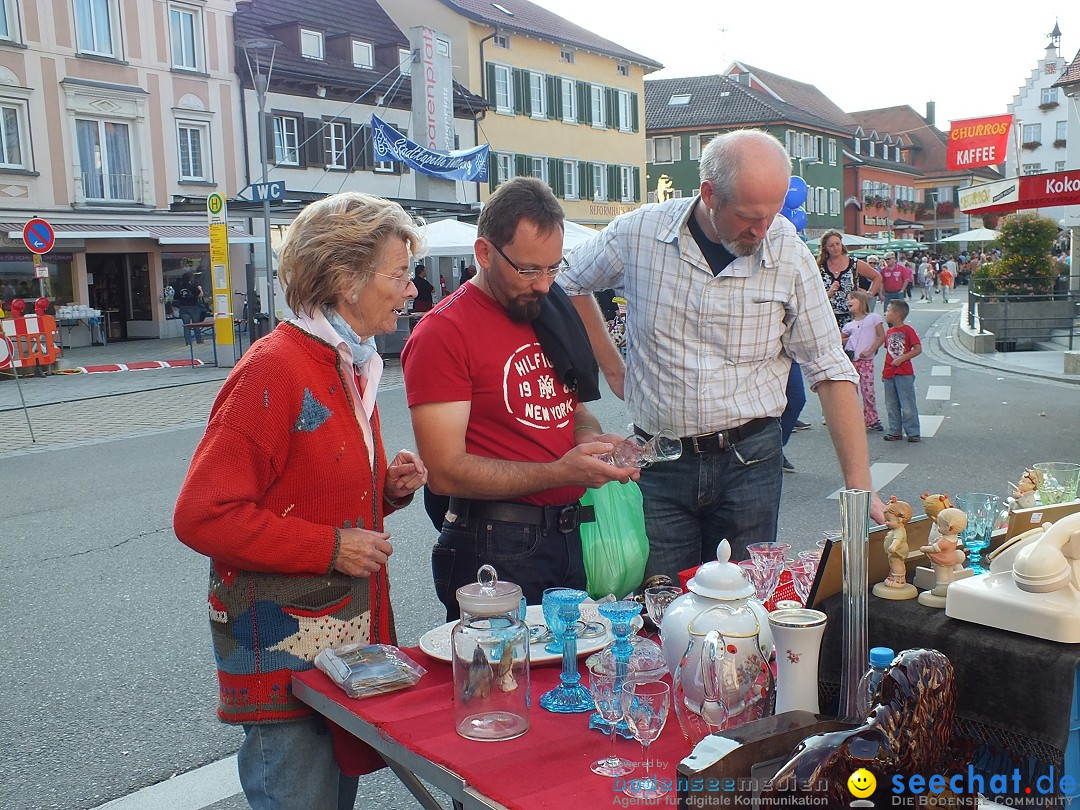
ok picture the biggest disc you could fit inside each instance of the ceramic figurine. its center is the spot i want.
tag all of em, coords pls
(1023, 491)
(932, 505)
(896, 586)
(942, 553)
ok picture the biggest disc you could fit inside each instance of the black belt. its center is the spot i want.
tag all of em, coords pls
(560, 517)
(715, 442)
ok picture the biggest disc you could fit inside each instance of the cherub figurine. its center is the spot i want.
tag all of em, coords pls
(896, 586)
(1023, 491)
(942, 553)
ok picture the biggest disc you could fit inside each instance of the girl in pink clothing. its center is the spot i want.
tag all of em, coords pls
(862, 337)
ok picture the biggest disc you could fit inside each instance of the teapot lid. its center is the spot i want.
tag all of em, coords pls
(487, 596)
(721, 579)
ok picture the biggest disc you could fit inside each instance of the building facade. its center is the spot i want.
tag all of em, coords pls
(1040, 118)
(110, 110)
(684, 114)
(565, 105)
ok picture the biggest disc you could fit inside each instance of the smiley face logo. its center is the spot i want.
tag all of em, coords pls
(861, 783)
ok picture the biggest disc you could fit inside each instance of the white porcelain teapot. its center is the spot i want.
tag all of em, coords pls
(719, 582)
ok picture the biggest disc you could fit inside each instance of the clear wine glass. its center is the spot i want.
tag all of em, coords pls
(802, 579)
(769, 557)
(657, 599)
(756, 577)
(645, 708)
(607, 693)
(637, 451)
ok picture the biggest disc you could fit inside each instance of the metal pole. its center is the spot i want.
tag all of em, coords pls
(261, 82)
(26, 412)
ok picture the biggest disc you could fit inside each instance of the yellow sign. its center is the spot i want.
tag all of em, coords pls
(217, 213)
(861, 783)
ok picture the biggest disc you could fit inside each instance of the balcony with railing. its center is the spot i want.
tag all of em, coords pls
(98, 187)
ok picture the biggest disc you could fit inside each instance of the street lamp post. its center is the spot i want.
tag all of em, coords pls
(260, 61)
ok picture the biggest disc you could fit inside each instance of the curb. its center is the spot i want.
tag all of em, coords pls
(950, 345)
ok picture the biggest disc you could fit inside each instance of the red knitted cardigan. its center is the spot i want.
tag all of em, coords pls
(282, 467)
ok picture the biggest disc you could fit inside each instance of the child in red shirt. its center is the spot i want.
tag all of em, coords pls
(901, 346)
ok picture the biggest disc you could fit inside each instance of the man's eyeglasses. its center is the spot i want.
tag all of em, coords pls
(548, 272)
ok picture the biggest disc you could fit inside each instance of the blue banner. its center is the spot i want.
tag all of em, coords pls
(465, 164)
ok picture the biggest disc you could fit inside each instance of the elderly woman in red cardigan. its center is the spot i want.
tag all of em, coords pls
(289, 487)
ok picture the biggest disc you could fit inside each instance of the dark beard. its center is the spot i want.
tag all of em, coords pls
(524, 310)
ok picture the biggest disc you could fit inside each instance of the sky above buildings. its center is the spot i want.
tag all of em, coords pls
(970, 58)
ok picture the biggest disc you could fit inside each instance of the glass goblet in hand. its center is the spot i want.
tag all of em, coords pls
(637, 451)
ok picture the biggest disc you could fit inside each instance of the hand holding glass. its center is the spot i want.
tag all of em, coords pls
(637, 451)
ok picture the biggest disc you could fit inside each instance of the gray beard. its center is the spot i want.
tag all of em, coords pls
(735, 249)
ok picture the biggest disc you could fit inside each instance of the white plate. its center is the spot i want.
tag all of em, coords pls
(436, 642)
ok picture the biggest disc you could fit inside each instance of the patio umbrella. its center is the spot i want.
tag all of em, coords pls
(977, 235)
(901, 244)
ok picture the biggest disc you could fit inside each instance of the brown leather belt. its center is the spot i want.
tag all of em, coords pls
(715, 442)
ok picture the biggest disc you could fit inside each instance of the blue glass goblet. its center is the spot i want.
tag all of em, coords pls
(981, 510)
(621, 615)
(551, 619)
(570, 695)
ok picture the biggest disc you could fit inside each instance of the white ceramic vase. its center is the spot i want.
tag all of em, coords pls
(797, 635)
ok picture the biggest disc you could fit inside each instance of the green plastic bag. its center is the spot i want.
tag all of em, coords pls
(615, 546)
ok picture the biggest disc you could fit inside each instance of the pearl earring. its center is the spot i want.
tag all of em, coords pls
(355, 298)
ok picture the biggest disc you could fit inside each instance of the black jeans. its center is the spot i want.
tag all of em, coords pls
(530, 556)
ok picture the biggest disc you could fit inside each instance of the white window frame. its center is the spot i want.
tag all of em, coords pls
(625, 111)
(506, 73)
(679, 100)
(504, 167)
(821, 199)
(596, 105)
(181, 60)
(203, 129)
(22, 129)
(89, 41)
(1059, 166)
(8, 30)
(568, 92)
(858, 145)
(599, 173)
(501, 41)
(335, 145)
(538, 167)
(896, 153)
(870, 148)
(286, 154)
(308, 38)
(107, 186)
(566, 55)
(1061, 130)
(1032, 168)
(538, 94)
(623, 69)
(833, 151)
(1032, 133)
(366, 60)
(404, 61)
(626, 184)
(671, 148)
(570, 180)
(834, 201)
(1049, 95)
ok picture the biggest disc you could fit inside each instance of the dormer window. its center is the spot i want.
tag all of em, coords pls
(623, 69)
(858, 145)
(362, 54)
(404, 61)
(870, 146)
(311, 44)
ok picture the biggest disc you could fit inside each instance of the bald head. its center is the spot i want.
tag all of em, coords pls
(745, 158)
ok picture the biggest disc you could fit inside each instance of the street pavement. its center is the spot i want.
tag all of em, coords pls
(107, 664)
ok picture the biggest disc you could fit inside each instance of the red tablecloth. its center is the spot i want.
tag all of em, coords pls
(547, 767)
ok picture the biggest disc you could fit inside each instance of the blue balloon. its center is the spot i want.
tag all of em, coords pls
(787, 213)
(798, 219)
(796, 194)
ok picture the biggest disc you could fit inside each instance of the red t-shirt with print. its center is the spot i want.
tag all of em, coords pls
(899, 340)
(468, 349)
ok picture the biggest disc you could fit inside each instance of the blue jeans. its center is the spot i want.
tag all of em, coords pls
(694, 503)
(902, 406)
(530, 556)
(796, 401)
(191, 315)
(291, 766)
(895, 296)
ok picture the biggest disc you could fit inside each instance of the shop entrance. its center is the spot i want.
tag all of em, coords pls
(119, 286)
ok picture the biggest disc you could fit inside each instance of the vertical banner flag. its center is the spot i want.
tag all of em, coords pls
(465, 164)
(978, 142)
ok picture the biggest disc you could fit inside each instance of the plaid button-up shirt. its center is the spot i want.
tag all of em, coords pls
(705, 352)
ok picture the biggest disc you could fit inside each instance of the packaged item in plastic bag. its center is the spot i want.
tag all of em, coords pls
(362, 670)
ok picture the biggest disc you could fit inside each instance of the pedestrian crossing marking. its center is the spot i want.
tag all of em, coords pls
(942, 392)
(928, 425)
(881, 473)
(941, 371)
(193, 790)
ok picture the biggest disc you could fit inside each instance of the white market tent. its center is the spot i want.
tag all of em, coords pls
(977, 235)
(449, 237)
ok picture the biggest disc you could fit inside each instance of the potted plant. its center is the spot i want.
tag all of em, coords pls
(1059, 143)
(945, 209)
(1031, 145)
(1048, 105)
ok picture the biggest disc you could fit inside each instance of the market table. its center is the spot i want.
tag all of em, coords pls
(547, 767)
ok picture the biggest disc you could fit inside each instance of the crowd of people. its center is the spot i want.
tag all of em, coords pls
(290, 486)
